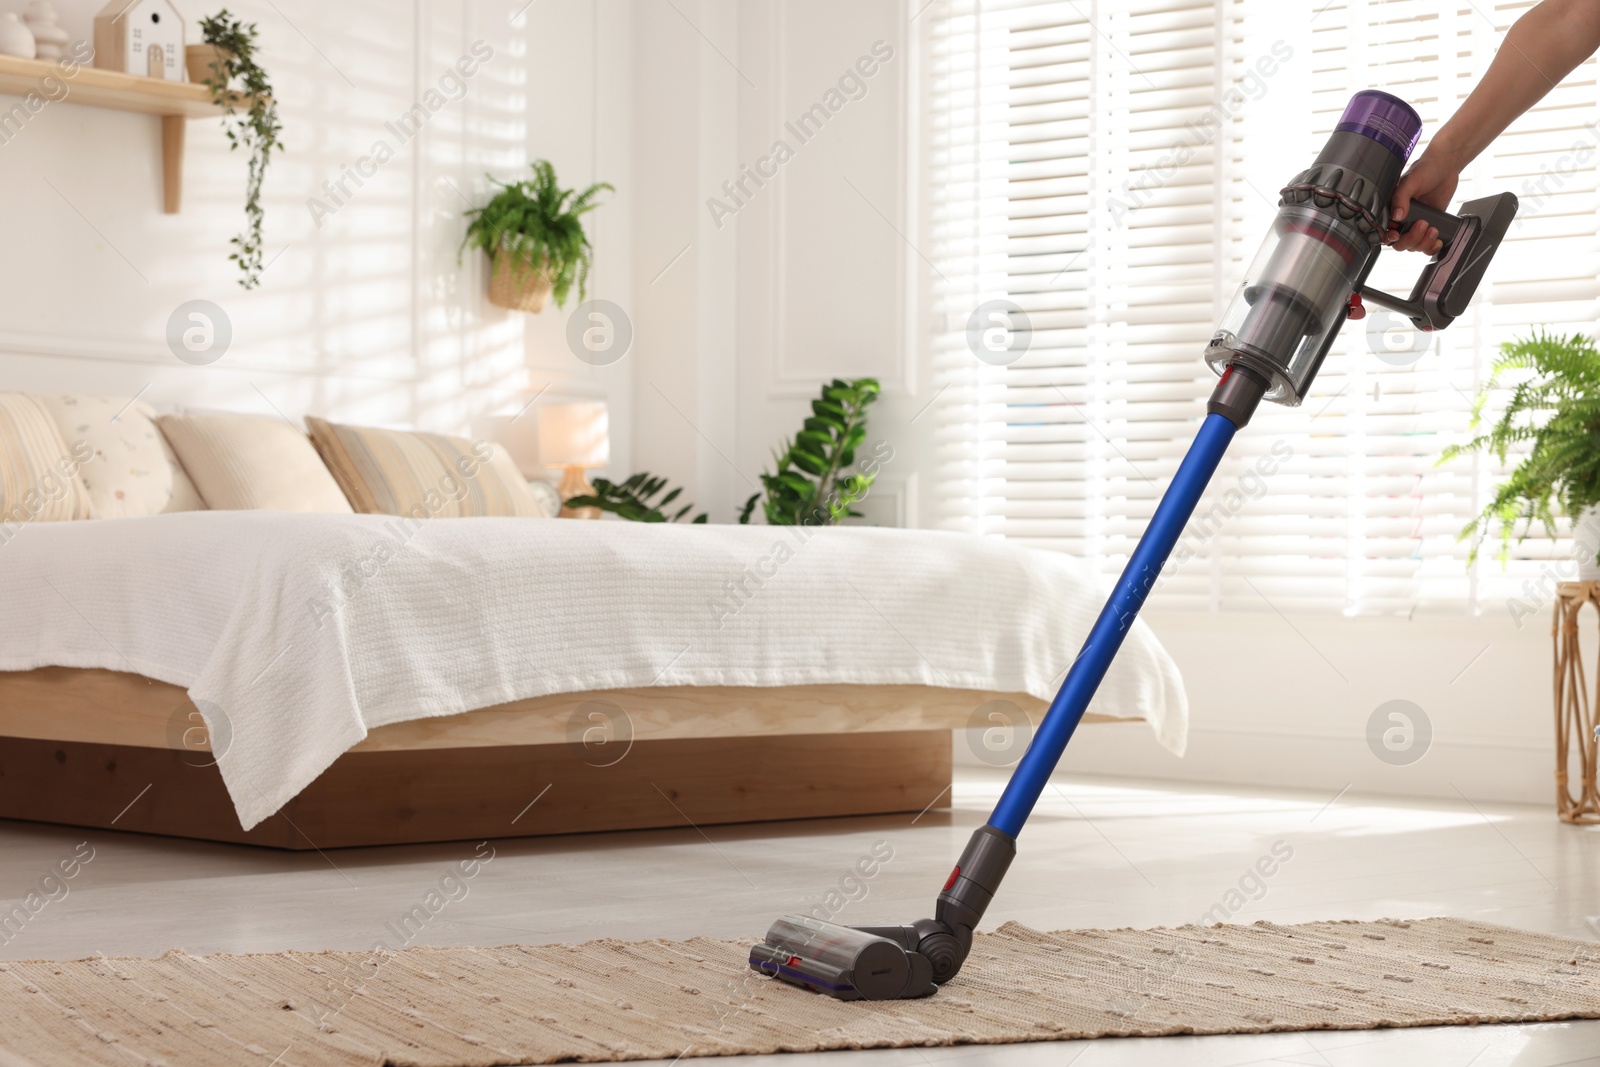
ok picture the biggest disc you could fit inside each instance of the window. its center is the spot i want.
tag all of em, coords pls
(1109, 169)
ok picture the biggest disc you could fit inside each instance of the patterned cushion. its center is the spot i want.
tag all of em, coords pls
(249, 462)
(426, 475)
(132, 470)
(38, 472)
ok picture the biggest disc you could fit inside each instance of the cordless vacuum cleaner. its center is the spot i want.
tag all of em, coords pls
(1309, 277)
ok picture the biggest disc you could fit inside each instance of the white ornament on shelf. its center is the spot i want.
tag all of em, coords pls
(48, 36)
(143, 37)
(15, 40)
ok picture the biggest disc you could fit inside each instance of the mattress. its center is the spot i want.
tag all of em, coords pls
(296, 634)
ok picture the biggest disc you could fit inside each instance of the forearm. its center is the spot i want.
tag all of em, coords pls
(1542, 47)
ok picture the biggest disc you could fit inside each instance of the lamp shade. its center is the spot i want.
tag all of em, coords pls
(574, 435)
(518, 435)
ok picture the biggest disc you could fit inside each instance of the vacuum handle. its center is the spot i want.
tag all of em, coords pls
(1448, 225)
(1448, 281)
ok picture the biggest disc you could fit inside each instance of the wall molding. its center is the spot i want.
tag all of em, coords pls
(156, 357)
(784, 383)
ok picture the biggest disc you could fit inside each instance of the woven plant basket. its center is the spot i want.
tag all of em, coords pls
(517, 285)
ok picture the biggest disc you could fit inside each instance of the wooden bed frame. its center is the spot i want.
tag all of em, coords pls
(112, 750)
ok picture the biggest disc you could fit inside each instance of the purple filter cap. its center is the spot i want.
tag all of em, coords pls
(1386, 119)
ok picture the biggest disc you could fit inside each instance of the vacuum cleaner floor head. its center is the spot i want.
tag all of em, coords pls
(839, 961)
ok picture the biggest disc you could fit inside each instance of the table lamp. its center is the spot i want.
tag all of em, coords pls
(576, 438)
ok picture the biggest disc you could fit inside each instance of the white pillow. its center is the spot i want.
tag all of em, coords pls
(251, 462)
(132, 470)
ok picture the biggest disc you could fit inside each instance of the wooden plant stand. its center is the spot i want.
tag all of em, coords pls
(1577, 710)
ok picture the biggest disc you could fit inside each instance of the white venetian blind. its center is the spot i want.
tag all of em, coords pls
(1110, 168)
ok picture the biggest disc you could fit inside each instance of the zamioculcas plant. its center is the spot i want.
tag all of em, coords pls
(813, 483)
(532, 232)
(631, 499)
(1555, 412)
(235, 77)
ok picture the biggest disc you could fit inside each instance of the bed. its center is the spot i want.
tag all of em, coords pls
(316, 681)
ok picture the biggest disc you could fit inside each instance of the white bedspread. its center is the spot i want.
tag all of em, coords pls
(306, 631)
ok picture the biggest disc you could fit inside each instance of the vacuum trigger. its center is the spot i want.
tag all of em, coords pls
(1355, 310)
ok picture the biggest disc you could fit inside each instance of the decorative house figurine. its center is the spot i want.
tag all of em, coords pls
(142, 37)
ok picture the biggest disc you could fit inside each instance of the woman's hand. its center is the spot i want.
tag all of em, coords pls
(1544, 45)
(1433, 181)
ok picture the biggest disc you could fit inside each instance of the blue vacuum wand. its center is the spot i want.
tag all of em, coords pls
(1309, 277)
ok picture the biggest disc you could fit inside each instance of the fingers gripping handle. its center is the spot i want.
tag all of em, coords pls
(1448, 225)
(1446, 285)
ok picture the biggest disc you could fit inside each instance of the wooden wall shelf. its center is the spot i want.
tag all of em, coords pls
(172, 101)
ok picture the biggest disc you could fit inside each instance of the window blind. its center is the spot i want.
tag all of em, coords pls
(1108, 169)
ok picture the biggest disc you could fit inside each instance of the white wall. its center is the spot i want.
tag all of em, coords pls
(685, 279)
(1290, 702)
(823, 247)
(366, 317)
(808, 278)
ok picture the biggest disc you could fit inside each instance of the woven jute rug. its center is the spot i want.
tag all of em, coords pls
(618, 1000)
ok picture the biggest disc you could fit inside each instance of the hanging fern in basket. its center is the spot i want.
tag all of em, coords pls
(256, 130)
(539, 226)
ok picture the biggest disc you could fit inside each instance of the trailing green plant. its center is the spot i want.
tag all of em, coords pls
(631, 499)
(1555, 413)
(540, 226)
(814, 483)
(235, 76)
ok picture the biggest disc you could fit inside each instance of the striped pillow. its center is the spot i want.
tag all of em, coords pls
(39, 479)
(424, 475)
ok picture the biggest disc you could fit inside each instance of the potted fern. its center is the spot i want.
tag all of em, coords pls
(1555, 412)
(817, 481)
(631, 499)
(532, 232)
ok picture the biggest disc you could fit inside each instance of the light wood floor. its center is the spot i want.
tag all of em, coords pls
(1098, 852)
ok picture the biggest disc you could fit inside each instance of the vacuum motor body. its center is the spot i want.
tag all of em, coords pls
(1329, 229)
